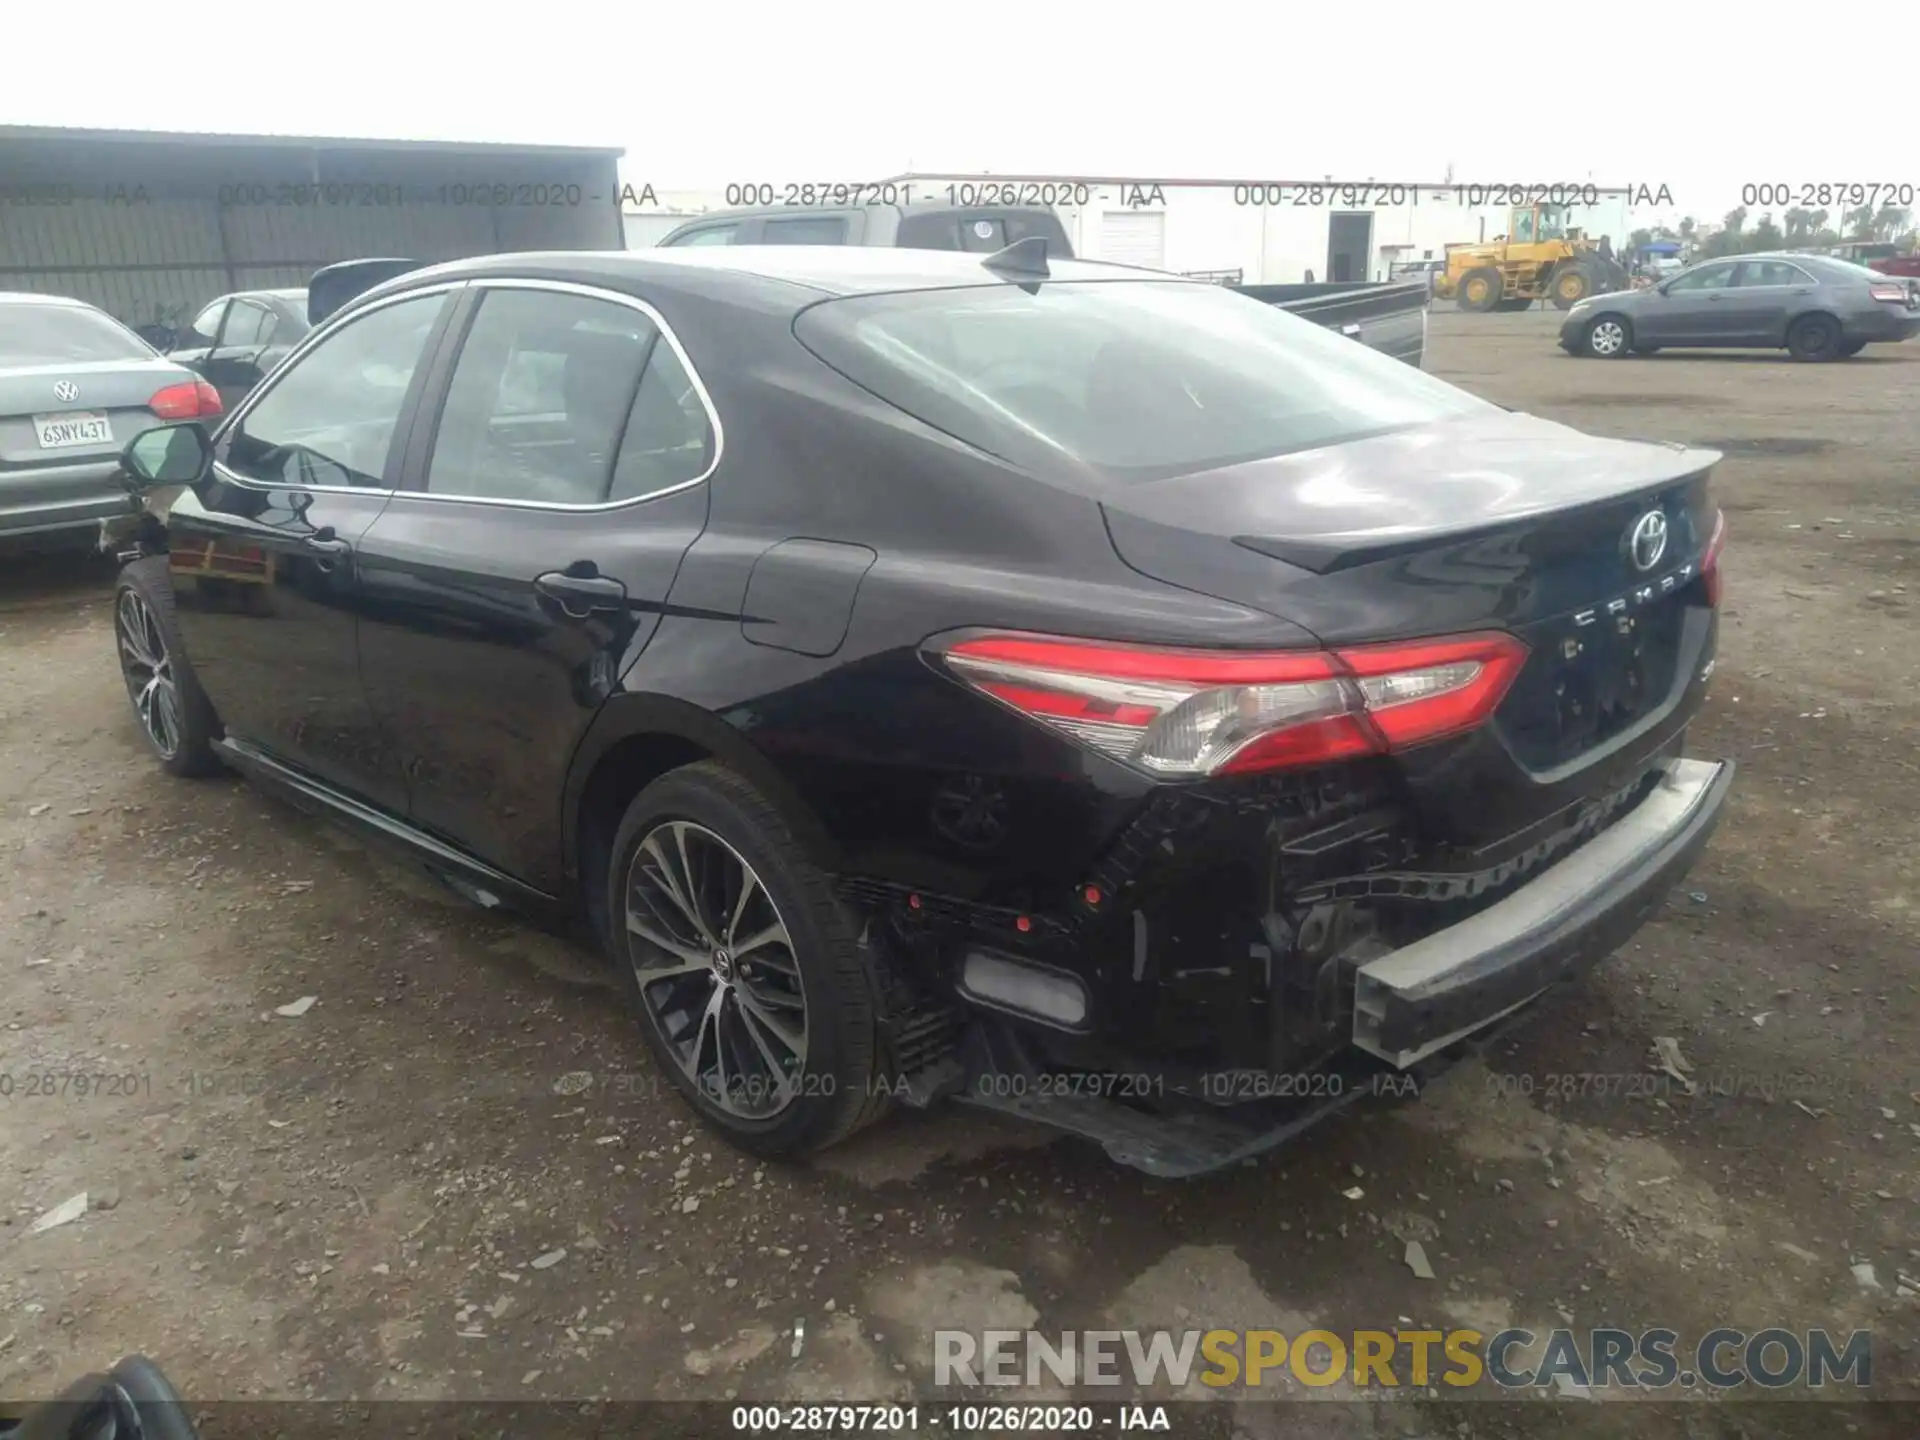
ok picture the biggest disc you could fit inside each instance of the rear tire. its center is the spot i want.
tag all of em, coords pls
(1519, 303)
(1480, 290)
(1607, 337)
(1814, 338)
(743, 968)
(1852, 348)
(175, 717)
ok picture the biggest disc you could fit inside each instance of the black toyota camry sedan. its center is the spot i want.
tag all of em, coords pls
(1052, 685)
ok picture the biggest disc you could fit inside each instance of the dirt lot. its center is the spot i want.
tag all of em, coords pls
(350, 1203)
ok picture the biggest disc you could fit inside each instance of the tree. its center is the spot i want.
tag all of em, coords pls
(1730, 238)
(1889, 222)
(1800, 226)
(1687, 227)
(1639, 239)
(1765, 236)
(1859, 222)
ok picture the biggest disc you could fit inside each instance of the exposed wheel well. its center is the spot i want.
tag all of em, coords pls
(634, 762)
(619, 775)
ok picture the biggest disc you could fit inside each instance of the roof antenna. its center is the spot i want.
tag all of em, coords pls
(1023, 259)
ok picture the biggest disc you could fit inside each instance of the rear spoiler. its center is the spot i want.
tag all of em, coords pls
(334, 286)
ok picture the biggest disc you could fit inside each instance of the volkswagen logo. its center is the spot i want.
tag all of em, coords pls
(65, 390)
(1647, 541)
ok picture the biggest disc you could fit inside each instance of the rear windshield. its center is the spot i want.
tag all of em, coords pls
(1134, 380)
(59, 334)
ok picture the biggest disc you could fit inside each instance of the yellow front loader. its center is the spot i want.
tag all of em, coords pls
(1538, 258)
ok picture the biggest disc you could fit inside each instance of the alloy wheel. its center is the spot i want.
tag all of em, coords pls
(717, 970)
(148, 669)
(1607, 337)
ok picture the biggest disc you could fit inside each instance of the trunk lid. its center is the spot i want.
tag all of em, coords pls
(117, 389)
(1494, 522)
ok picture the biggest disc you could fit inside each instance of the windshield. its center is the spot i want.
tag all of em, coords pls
(1553, 223)
(34, 334)
(1135, 380)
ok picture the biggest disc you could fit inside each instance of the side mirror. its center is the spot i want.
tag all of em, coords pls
(168, 455)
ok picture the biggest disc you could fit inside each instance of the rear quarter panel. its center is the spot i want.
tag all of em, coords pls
(881, 749)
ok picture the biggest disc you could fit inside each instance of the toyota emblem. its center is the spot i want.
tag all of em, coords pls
(1647, 541)
(65, 390)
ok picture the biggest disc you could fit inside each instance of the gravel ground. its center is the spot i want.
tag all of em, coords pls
(458, 1176)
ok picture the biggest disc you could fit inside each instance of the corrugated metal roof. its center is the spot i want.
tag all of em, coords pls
(294, 142)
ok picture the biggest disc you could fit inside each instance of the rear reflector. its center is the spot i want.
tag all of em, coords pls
(1186, 713)
(1041, 994)
(189, 400)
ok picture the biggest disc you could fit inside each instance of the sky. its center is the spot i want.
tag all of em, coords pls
(704, 94)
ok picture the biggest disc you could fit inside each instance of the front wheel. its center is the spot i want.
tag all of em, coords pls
(743, 968)
(1570, 286)
(176, 718)
(1607, 338)
(1814, 338)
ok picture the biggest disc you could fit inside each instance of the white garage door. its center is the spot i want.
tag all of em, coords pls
(1134, 237)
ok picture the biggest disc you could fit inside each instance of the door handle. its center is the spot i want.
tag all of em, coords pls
(581, 589)
(324, 542)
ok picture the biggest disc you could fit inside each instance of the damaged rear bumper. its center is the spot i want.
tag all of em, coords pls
(1428, 994)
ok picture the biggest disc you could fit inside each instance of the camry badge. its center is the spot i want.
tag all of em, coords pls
(65, 390)
(1647, 541)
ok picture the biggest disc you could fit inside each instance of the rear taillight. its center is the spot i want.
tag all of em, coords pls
(1186, 713)
(1894, 294)
(1710, 557)
(189, 400)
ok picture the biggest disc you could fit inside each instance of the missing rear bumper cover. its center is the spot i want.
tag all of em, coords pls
(1426, 995)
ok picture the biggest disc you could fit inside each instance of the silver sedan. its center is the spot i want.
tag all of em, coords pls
(75, 386)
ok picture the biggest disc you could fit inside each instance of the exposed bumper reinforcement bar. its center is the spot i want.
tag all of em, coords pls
(1427, 995)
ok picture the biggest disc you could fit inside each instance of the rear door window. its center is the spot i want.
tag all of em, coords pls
(205, 328)
(244, 322)
(542, 394)
(1708, 277)
(706, 235)
(1771, 272)
(1121, 381)
(804, 230)
(984, 234)
(980, 231)
(670, 439)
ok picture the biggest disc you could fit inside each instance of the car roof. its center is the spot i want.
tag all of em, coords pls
(835, 270)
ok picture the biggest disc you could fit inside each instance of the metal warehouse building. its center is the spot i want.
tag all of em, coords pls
(150, 225)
